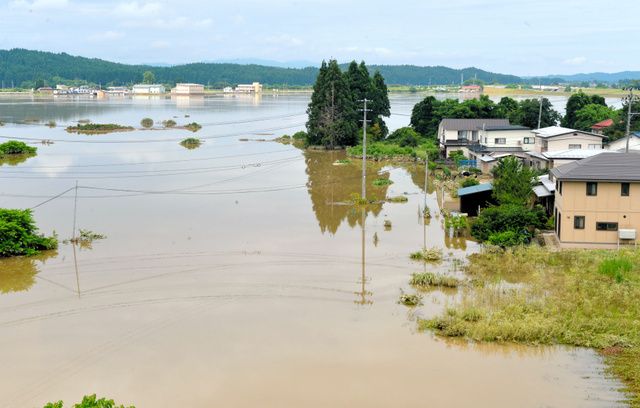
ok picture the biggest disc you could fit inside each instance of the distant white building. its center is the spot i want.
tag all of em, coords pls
(255, 87)
(188, 89)
(148, 89)
(227, 89)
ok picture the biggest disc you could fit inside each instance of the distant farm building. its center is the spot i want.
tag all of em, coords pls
(188, 89)
(255, 87)
(148, 89)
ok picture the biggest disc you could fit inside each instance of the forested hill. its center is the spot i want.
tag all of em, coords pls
(25, 67)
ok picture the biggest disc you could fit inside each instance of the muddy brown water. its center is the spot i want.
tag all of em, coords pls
(235, 275)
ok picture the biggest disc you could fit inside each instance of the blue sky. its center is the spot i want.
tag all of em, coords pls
(522, 37)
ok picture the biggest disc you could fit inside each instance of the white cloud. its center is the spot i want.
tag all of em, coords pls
(37, 5)
(106, 36)
(575, 61)
(137, 9)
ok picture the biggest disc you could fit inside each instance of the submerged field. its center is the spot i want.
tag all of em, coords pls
(532, 296)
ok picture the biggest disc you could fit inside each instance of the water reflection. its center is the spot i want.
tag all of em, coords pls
(18, 274)
(331, 187)
(363, 294)
(14, 159)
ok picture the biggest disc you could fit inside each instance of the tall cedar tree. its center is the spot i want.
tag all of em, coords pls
(512, 182)
(332, 110)
(380, 106)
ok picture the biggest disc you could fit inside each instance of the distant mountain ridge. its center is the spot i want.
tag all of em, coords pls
(21, 66)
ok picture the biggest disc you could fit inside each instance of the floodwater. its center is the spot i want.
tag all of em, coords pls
(236, 274)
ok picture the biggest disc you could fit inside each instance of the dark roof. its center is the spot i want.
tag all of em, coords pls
(614, 167)
(472, 124)
(506, 127)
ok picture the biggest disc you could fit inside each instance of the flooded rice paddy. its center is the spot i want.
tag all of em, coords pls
(237, 275)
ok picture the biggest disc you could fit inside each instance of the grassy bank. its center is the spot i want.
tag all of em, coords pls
(533, 296)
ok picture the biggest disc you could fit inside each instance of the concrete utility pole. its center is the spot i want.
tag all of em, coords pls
(630, 99)
(364, 148)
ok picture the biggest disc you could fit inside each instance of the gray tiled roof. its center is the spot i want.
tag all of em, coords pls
(607, 166)
(471, 124)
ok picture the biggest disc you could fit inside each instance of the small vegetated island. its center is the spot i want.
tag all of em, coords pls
(14, 152)
(191, 143)
(98, 128)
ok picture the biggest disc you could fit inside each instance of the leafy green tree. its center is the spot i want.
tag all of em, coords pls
(506, 108)
(404, 136)
(528, 110)
(592, 114)
(148, 77)
(425, 117)
(19, 234)
(146, 123)
(512, 182)
(332, 111)
(619, 129)
(576, 102)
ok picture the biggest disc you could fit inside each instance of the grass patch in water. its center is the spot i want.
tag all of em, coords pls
(382, 182)
(583, 298)
(398, 199)
(429, 279)
(410, 299)
(427, 255)
(98, 128)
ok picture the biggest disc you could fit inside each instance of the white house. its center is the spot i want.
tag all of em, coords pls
(255, 87)
(188, 89)
(620, 145)
(148, 89)
(458, 134)
(556, 138)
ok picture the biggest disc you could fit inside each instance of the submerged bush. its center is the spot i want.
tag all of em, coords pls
(193, 126)
(191, 143)
(13, 147)
(169, 123)
(18, 234)
(410, 299)
(427, 255)
(95, 128)
(89, 401)
(146, 123)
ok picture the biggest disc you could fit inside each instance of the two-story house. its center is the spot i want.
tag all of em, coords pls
(458, 134)
(597, 200)
(555, 140)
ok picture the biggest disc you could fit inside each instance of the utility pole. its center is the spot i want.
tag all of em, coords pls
(630, 99)
(540, 107)
(364, 148)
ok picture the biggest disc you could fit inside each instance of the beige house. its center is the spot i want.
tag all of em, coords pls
(597, 201)
(148, 89)
(556, 138)
(188, 89)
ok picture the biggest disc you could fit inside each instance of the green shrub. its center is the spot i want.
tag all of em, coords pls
(474, 170)
(469, 182)
(301, 135)
(506, 239)
(403, 137)
(146, 123)
(508, 217)
(13, 147)
(169, 123)
(18, 234)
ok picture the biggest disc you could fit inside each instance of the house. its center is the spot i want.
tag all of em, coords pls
(600, 127)
(545, 190)
(148, 89)
(255, 87)
(556, 138)
(496, 142)
(559, 158)
(188, 89)
(473, 198)
(458, 134)
(620, 145)
(597, 201)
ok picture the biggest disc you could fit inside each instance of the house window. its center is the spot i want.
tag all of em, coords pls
(575, 146)
(624, 189)
(606, 226)
(578, 222)
(595, 146)
(592, 189)
(560, 187)
(474, 135)
(529, 140)
(500, 140)
(462, 135)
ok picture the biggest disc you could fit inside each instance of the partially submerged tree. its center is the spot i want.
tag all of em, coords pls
(146, 123)
(19, 234)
